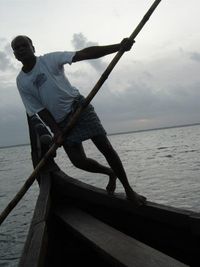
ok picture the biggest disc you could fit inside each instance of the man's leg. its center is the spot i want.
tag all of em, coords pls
(105, 147)
(79, 159)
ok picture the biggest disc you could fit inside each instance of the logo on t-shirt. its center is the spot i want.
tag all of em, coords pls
(40, 80)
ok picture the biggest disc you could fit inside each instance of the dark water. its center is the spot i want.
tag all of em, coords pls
(164, 165)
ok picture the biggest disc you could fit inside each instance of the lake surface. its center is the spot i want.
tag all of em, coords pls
(163, 165)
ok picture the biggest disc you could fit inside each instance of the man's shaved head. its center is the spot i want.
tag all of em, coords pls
(21, 37)
(23, 48)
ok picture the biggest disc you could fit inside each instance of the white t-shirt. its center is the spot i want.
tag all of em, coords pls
(46, 86)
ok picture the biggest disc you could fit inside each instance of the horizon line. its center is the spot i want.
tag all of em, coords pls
(125, 132)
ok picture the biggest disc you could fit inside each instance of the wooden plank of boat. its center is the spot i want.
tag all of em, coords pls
(172, 231)
(35, 247)
(159, 232)
(66, 187)
(117, 248)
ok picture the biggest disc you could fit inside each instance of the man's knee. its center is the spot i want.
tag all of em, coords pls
(76, 160)
(76, 155)
(103, 144)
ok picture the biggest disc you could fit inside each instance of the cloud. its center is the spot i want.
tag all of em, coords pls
(141, 95)
(4, 61)
(158, 92)
(6, 57)
(12, 119)
(13, 116)
(79, 42)
(140, 107)
(163, 91)
(195, 56)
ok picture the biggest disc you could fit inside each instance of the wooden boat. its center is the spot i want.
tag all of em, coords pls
(75, 224)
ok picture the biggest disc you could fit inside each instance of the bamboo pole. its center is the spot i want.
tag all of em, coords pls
(75, 116)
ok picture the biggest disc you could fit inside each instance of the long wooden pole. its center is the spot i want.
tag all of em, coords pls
(75, 117)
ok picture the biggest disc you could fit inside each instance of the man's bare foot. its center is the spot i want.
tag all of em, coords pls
(137, 199)
(111, 186)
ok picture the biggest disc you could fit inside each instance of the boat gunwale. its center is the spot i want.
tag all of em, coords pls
(78, 190)
(35, 247)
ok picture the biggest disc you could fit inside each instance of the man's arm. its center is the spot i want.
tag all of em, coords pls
(100, 51)
(47, 118)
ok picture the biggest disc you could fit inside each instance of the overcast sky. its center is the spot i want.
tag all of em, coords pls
(156, 84)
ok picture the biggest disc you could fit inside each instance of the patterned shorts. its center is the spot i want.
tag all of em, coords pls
(87, 126)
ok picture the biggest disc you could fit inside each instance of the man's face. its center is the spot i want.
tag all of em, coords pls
(22, 48)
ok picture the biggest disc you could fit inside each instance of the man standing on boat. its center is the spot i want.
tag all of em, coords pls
(46, 91)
